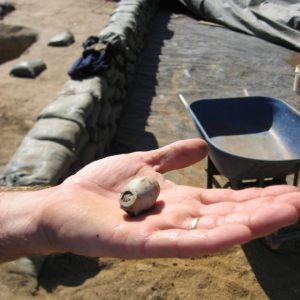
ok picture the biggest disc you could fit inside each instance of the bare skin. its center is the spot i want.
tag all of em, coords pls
(82, 215)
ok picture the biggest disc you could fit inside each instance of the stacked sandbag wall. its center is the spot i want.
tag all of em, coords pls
(78, 126)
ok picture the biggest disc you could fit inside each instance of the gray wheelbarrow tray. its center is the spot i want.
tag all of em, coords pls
(249, 137)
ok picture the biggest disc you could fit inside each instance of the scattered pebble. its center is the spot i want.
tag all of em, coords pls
(29, 69)
(63, 39)
(6, 7)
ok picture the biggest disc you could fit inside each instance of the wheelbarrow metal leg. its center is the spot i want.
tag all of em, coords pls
(296, 176)
(211, 171)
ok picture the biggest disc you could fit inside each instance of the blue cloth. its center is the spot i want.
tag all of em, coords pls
(92, 62)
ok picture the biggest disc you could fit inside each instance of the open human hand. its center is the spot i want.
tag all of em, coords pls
(82, 215)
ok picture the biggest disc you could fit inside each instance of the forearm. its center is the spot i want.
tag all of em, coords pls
(20, 216)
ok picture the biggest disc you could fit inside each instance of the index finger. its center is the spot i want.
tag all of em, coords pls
(177, 155)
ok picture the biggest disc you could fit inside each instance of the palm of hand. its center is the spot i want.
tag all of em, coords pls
(86, 219)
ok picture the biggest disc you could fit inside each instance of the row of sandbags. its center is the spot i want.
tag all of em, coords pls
(79, 125)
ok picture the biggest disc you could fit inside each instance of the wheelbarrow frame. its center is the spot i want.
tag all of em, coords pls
(237, 167)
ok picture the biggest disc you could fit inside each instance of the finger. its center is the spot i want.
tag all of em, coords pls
(177, 155)
(189, 243)
(261, 222)
(209, 196)
(229, 207)
(292, 198)
(268, 219)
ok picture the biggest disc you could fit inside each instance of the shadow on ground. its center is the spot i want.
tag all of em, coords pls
(132, 135)
(14, 40)
(277, 271)
(68, 270)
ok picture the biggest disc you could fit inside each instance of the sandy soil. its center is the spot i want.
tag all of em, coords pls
(22, 99)
(251, 272)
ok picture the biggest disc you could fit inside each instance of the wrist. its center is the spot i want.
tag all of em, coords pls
(21, 214)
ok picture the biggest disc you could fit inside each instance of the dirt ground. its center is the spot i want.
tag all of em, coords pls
(22, 99)
(251, 272)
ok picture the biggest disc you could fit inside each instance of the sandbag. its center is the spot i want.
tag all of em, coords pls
(64, 132)
(25, 168)
(76, 108)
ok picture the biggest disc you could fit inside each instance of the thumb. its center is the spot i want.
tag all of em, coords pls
(177, 155)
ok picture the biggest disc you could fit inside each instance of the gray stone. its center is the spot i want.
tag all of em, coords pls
(29, 69)
(30, 265)
(63, 39)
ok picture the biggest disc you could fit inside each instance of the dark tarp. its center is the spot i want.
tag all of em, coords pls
(277, 21)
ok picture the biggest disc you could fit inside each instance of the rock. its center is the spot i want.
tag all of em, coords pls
(30, 265)
(29, 69)
(63, 39)
(6, 7)
(14, 40)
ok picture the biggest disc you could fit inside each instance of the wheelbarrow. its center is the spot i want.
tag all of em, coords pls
(249, 137)
(253, 141)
